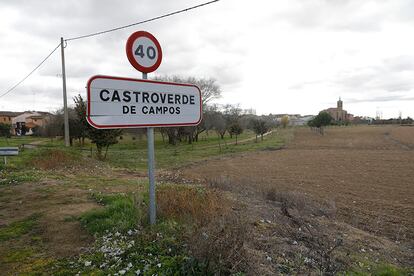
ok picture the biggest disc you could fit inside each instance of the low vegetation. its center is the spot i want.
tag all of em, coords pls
(18, 228)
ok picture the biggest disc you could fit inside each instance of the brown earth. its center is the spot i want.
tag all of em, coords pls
(366, 172)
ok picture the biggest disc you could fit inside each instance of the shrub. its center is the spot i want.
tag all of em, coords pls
(189, 204)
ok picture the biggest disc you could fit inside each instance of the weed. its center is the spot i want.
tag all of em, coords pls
(48, 159)
(18, 228)
(19, 255)
(220, 245)
(121, 213)
(303, 212)
(303, 205)
(189, 203)
(13, 176)
(380, 270)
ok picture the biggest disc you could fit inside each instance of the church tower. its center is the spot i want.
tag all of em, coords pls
(339, 104)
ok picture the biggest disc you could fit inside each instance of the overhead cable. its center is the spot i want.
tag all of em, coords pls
(31, 72)
(142, 22)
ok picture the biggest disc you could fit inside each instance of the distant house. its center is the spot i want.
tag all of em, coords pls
(338, 113)
(302, 120)
(7, 116)
(24, 123)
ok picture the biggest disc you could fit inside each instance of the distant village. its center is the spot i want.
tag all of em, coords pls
(24, 123)
(27, 122)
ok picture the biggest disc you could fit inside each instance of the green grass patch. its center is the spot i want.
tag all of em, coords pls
(18, 228)
(15, 176)
(380, 270)
(18, 256)
(16, 141)
(133, 155)
(368, 267)
(120, 213)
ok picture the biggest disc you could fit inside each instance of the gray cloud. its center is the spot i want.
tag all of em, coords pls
(346, 15)
(380, 99)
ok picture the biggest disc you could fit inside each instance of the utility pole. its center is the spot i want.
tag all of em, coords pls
(65, 100)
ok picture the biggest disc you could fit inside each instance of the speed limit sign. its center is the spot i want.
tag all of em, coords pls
(144, 51)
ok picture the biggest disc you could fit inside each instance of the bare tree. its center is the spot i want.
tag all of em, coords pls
(209, 90)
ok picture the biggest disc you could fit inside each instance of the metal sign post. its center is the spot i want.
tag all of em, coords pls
(151, 171)
(8, 151)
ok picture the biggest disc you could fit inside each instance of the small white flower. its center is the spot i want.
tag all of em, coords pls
(122, 272)
(268, 258)
(88, 263)
(129, 265)
(159, 265)
(294, 242)
(138, 272)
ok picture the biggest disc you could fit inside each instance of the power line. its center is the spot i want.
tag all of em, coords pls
(103, 32)
(31, 72)
(142, 22)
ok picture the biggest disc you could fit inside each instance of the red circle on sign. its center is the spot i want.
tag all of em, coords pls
(130, 52)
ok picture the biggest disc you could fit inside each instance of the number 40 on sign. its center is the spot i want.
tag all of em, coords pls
(144, 51)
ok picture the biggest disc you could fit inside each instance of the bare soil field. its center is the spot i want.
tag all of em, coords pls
(366, 172)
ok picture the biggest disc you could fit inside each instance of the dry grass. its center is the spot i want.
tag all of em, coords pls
(190, 203)
(217, 235)
(301, 204)
(52, 159)
(221, 245)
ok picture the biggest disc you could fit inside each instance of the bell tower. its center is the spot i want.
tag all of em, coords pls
(339, 104)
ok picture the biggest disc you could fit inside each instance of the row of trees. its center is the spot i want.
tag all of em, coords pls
(217, 119)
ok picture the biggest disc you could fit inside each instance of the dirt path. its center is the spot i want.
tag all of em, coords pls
(367, 176)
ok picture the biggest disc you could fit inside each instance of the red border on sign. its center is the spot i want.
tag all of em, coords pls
(130, 51)
(89, 119)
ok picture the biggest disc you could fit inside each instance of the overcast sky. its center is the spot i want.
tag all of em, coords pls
(285, 56)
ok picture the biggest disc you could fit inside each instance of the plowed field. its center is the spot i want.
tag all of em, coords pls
(367, 172)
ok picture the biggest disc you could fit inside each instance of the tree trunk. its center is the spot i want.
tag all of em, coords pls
(236, 139)
(219, 145)
(99, 152)
(261, 136)
(106, 151)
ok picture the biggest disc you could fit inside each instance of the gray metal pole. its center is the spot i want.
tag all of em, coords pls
(151, 171)
(65, 100)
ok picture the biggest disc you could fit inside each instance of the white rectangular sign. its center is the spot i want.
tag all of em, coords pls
(116, 102)
(9, 151)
